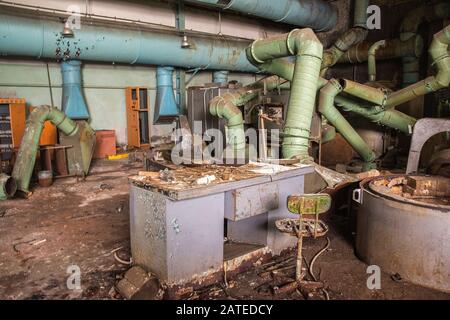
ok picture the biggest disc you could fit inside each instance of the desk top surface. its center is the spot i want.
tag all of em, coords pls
(191, 182)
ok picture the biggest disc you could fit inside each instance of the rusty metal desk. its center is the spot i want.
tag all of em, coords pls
(177, 230)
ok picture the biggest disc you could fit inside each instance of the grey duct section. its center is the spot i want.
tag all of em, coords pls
(316, 14)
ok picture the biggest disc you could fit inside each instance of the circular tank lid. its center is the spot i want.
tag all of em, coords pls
(421, 190)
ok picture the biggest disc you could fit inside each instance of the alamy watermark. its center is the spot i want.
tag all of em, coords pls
(212, 146)
(373, 17)
(374, 280)
(74, 20)
(74, 280)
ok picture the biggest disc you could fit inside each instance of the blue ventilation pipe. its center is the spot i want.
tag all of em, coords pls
(316, 14)
(166, 108)
(220, 77)
(73, 103)
(40, 38)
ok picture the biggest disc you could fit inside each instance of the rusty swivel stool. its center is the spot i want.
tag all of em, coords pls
(309, 205)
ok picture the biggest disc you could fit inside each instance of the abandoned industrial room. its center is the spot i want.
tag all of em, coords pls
(225, 150)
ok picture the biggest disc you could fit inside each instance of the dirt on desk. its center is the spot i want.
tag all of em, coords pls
(196, 176)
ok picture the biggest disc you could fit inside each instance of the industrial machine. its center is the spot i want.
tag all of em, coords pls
(265, 112)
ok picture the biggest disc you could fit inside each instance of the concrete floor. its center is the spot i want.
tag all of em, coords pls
(82, 223)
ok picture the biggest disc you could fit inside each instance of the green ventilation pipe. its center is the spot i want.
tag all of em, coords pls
(26, 157)
(377, 96)
(8, 186)
(349, 38)
(390, 118)
(371, 65)
(441, 59)
(226, 106)
(394, 48)
(410, 28)
(308, 50)
(285, 69)
(326, 107)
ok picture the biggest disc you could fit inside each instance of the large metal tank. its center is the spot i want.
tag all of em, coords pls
(403, 226)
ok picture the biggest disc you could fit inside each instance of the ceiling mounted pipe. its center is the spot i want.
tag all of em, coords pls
(73, 103)
(316, 14)
(166, 107)
(41, 38)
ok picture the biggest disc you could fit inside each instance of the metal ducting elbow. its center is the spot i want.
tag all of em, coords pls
(224, 106)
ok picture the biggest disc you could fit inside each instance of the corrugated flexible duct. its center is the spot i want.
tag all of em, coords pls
(308, 50)
(26, 157)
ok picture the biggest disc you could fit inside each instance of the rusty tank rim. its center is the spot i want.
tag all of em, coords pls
(365, 187)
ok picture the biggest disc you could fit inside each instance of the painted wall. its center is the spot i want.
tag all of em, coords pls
(104, 89)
